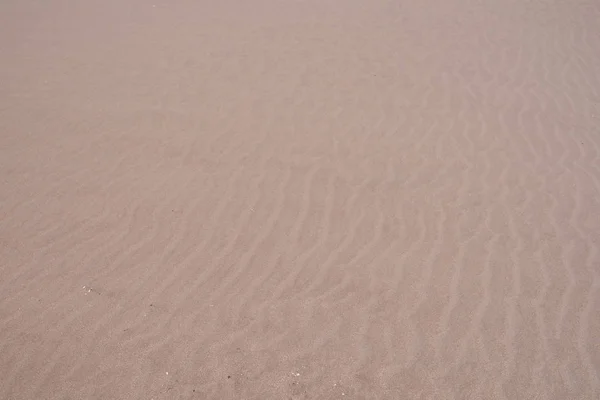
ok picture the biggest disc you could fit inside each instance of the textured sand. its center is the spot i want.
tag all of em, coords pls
(300, 199)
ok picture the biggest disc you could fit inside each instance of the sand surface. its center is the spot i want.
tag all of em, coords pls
(300, 199)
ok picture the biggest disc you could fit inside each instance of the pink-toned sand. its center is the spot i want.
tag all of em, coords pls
(300, 199)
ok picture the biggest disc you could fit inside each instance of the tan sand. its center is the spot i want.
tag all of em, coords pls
(299, 199)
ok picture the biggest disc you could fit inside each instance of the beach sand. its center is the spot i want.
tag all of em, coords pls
(299, 199)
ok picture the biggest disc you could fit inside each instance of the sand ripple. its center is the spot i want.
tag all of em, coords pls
(300, 200)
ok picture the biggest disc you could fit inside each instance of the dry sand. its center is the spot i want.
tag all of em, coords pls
(300, 199)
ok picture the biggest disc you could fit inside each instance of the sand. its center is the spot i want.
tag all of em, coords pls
(299, 199)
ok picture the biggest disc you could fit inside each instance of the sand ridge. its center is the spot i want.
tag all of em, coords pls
(300, 200)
